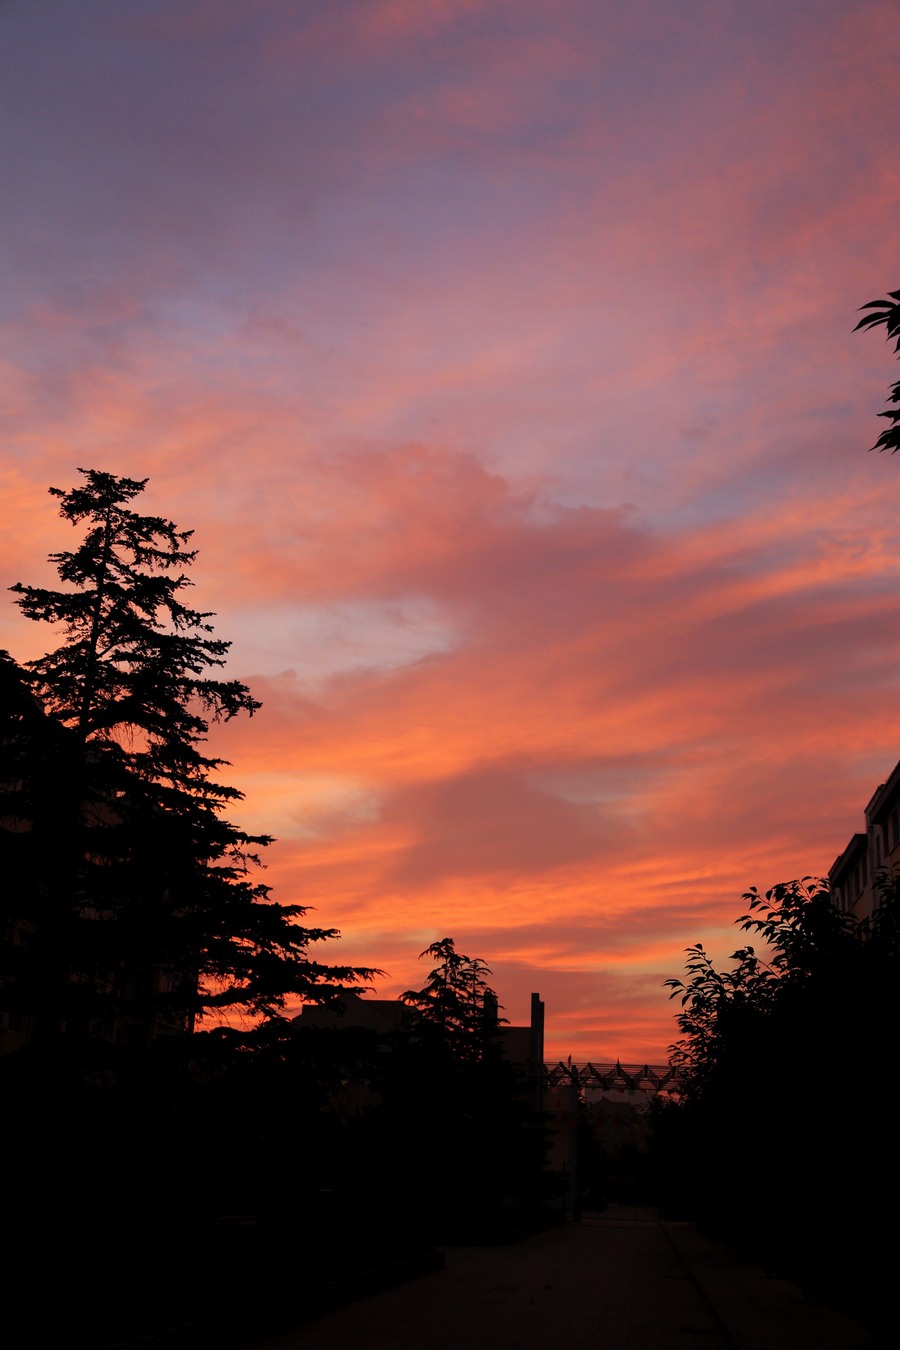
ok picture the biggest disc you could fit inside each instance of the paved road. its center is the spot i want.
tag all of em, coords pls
(619, 1282)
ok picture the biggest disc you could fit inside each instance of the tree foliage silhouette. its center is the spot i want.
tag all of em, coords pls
(456, 1004)
(150, 876)
(887, 312)
(807, 942)
(458, 1116)
(783, 1057)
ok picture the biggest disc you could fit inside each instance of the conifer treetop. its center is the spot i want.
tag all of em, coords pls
(136, 657)
(131, 691)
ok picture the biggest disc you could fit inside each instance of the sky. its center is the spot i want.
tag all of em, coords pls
(501, 356)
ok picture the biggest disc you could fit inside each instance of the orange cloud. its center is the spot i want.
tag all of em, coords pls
(504, 365)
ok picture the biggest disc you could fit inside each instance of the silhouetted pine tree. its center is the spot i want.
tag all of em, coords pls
(143, 908)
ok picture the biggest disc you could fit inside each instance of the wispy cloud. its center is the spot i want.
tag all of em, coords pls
(502, 360)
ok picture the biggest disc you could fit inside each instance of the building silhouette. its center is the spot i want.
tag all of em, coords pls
(522, 1046)
(873, 852)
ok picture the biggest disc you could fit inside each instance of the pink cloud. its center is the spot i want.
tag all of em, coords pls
(507, 360)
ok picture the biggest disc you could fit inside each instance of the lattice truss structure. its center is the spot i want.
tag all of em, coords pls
(627, 1078)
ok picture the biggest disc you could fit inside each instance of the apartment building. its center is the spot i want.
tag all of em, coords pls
(853, 874)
